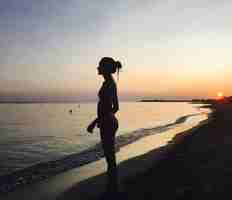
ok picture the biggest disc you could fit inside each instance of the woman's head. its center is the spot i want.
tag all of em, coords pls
(107, 66)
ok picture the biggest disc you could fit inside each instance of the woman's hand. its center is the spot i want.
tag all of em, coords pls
(91, 127)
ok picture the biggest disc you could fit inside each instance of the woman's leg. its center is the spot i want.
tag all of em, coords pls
(108, 144)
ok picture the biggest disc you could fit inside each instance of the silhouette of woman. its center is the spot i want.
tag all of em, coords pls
(106, 121)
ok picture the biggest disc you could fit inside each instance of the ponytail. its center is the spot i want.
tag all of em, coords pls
(118, 66)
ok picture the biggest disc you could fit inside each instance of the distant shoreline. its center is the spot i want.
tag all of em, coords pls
(58, 102)
(78, 102)
(165, 100)
(195, 101)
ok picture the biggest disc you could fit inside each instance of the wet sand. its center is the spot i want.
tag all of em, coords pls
(88, 182)
(198, 167)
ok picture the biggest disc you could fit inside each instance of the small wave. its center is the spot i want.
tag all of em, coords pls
(47, 169)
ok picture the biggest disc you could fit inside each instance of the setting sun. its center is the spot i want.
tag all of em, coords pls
(220, 95)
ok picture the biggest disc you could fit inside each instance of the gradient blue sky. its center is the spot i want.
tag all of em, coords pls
(168, 48)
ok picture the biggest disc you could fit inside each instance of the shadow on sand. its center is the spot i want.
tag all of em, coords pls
(158, 173)
(196, 164)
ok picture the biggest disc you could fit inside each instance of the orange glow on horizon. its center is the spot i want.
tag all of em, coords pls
(220, 95)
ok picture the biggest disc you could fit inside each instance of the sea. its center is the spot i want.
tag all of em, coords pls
(38, 140)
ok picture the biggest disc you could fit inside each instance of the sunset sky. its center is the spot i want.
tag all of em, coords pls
(168, 48)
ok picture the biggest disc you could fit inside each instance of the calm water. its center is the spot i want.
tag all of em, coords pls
(34, 133)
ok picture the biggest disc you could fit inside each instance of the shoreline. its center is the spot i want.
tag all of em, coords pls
(79, 179)
(46, 170)
(199, 166)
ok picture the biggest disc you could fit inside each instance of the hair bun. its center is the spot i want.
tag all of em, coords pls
(118, 65)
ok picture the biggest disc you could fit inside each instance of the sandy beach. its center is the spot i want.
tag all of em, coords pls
(200, 166)
(88, 182)
(180, 164)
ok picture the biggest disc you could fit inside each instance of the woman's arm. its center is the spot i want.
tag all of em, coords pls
(95, 121)
(92, 125)
(115, 100)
